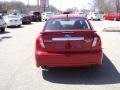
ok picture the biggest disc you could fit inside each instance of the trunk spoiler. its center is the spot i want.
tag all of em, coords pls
(69, 31)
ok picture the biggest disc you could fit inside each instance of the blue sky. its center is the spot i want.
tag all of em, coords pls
(62, 4)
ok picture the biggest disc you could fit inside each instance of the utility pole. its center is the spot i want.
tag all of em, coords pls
(60, 6)
(5, 6)
(44, 5)
(94, 6)
(28, 5)
(38, 5)
(117, 6)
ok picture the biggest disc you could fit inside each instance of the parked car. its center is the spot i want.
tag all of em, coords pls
(2, 24)
(82, 14)
(112, 16)
(35, 16)
(94, 16)
(26, 19)
(12, 20)
(68, 41)
(47, 15)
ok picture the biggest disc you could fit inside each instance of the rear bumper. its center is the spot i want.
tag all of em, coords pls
(68, 60)
(96, 18)
(36, 18)
(26, 20)
(14, 23)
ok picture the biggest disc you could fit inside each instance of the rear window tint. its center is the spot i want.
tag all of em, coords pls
(37, 13)
(67, 24)
(12, 16)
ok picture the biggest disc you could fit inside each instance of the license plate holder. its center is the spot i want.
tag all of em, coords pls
(68, 38)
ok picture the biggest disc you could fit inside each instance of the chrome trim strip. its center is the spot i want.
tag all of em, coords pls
(67, 38)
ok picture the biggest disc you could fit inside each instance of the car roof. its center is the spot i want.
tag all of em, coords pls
(68, 15)
(11, 15)
(48, 12)
(34, 11)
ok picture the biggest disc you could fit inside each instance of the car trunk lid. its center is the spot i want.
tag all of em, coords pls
(68, 41)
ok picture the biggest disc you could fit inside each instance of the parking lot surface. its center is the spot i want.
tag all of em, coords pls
(19, 72)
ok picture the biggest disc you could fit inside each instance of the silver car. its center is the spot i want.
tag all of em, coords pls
(47, 15)
(13, 20)
(93, 16)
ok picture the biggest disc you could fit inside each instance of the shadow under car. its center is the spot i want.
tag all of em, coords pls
(14, 27)
(105, 74)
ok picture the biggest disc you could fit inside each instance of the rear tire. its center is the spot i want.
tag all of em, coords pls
(44, 67)
(99, 20)
(40, 20)
(2, 30)
(29, 22)
(92, 18)
(19, 25)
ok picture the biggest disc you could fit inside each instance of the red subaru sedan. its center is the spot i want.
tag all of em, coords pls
(68, 41)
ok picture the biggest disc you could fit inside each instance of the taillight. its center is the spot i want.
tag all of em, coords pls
(95, 41)
(42, 42)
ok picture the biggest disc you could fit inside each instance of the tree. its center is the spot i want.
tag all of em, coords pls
(105, 5)
(19, 6)
(73, 10)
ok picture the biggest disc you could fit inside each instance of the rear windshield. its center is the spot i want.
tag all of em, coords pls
(97, 14)
(67, 24)
(12, 16)
(36, 13)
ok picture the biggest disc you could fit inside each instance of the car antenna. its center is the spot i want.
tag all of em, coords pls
(67, 16)
(67, 13)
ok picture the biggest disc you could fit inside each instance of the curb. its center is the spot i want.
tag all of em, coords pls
(111, 29)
